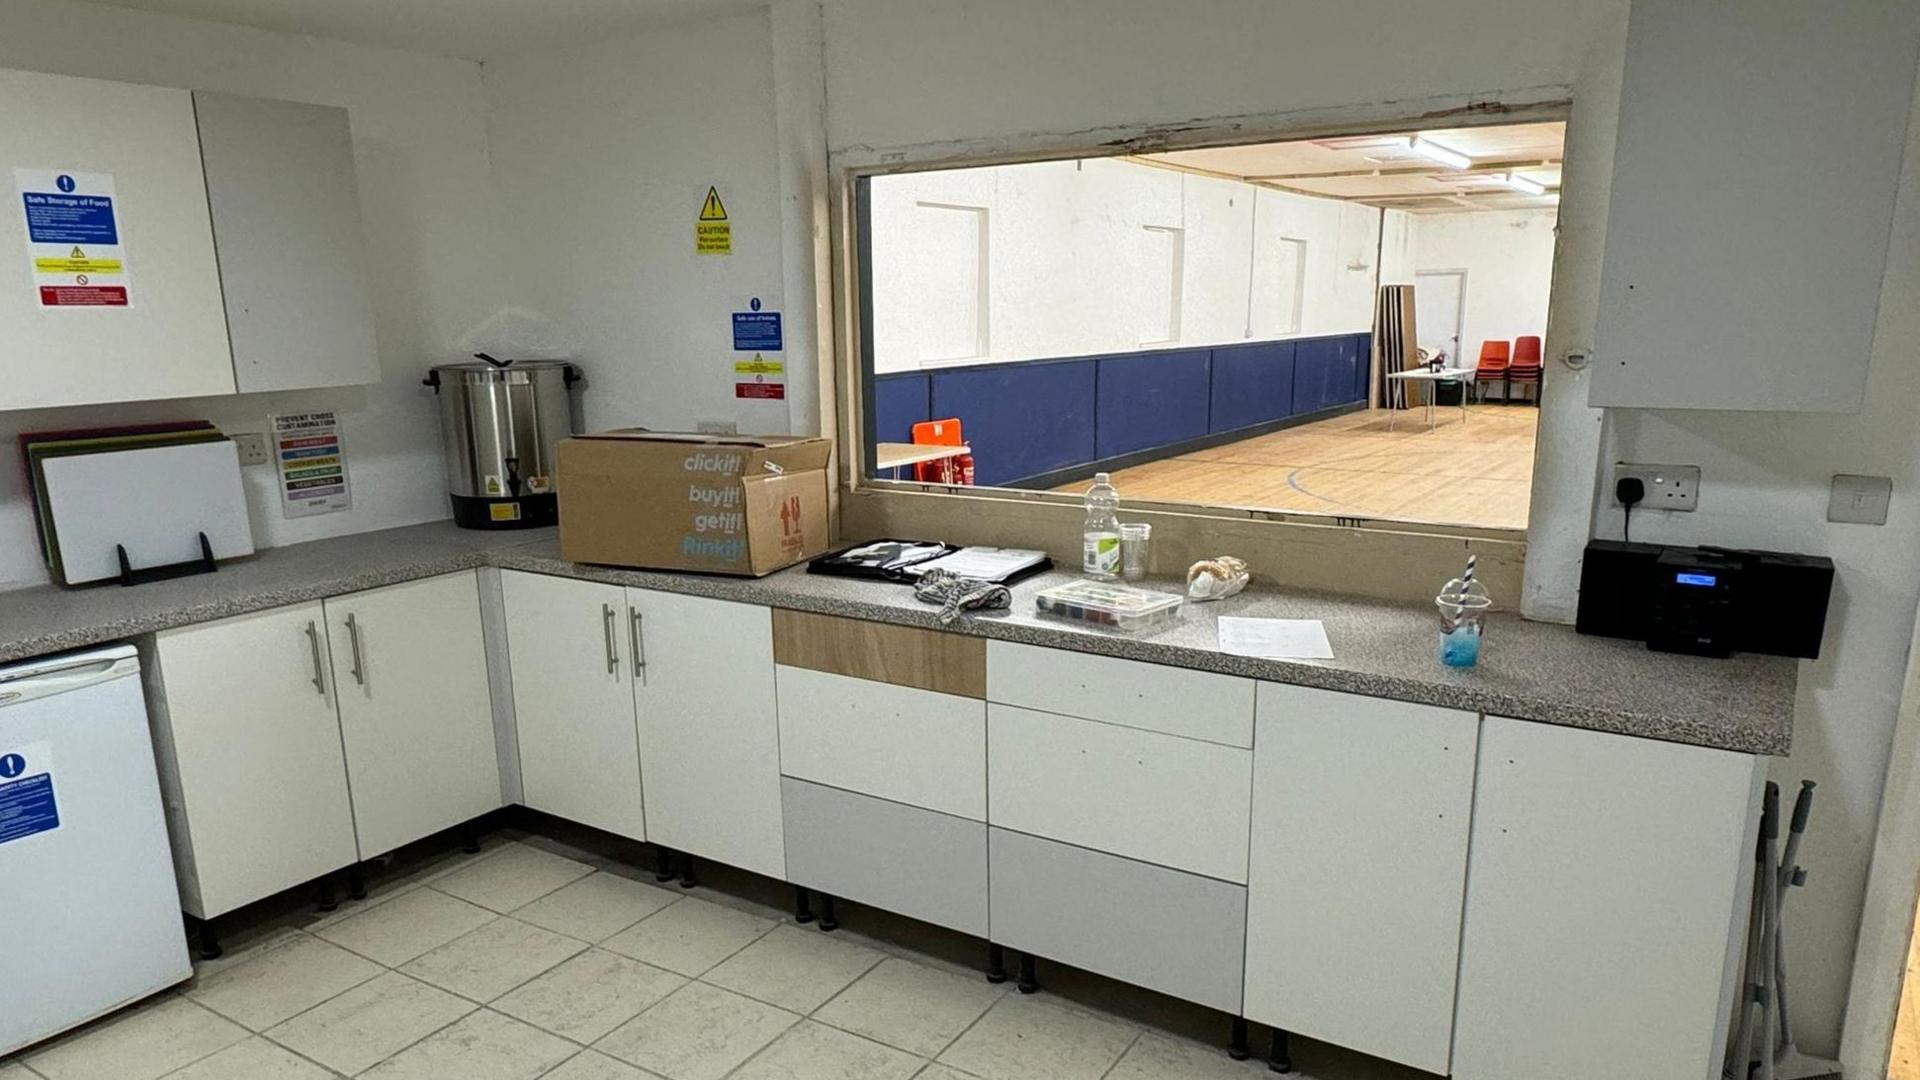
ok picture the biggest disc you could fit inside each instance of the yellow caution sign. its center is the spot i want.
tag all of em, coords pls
(76, 264)
(712, 232)
(758, 366)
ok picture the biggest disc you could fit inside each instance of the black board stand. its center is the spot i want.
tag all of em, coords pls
(202, 565)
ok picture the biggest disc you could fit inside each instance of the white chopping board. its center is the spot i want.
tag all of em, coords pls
(155, 501)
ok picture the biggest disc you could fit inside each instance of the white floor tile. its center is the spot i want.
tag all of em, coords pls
(688, 937)
(294, 975)
(492, 960)
(482, 1046)
(795, 968)
(255, 1059)
(406, 926)
(700, 1033)
(590, 995)
(937, 1071)
(810, 1051)
(370, 1022)
(146, 1041)
(1024, 1037)
(596, 907)
(1155, 1057)
(13, 1070)
(910, 1006)
(593, 1065)
(513, 877)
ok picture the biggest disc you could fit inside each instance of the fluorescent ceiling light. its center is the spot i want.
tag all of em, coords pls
(1522, 184)
(1452, 159)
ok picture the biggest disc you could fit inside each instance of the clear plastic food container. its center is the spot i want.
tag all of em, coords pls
(1105, 603)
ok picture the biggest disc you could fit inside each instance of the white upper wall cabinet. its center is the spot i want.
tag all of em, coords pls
(292, 248)
(1754, 177)
(129, 216)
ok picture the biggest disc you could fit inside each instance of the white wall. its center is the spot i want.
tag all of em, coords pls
(1074, 263)
(420, 144)
(602, 157)
(1508, 259)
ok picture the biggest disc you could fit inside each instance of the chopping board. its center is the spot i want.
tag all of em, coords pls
(155, 501)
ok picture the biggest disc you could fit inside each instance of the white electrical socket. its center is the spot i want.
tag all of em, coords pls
(1669, 487)
(252, 446)
(717, 427)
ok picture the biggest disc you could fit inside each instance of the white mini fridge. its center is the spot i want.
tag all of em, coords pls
(89, 913)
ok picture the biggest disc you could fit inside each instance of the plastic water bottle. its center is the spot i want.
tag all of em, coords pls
(1100, 556)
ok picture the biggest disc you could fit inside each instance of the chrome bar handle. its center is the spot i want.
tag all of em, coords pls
(638, 626)
(606, 627)
(353, 639)
(319, 673)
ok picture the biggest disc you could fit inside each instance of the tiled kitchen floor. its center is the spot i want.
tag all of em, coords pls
(537, 958)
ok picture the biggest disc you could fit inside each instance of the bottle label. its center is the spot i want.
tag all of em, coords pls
(1101, 554)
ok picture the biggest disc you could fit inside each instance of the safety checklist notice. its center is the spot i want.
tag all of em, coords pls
(27, 803)
(313, 467)
(74, 242)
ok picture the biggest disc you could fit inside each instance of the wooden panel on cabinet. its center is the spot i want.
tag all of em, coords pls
(903, 655)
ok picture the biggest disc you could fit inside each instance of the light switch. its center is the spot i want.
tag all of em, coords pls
(1861, 500)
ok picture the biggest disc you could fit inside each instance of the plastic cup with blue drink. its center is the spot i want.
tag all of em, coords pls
(1463, 605)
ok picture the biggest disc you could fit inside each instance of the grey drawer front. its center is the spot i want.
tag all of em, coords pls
(1177, 933)
(914, 862)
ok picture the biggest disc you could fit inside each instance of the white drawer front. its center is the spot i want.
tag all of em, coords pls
(1152, 697)
(1170, 801)
(895, 742)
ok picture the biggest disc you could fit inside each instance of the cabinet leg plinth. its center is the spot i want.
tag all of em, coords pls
(1029, 974)
(470, 841)
(802, 905)
(996, 964)
(209, 941)
(689, 877)
(829, 921)
(1237, 1046)
(1280, 1057)
(323, 899)
(356, 883)
(663, 864)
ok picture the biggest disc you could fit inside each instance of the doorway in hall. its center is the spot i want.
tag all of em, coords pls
(1439, 307)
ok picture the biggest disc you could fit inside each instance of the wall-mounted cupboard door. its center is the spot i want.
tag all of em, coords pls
(709, 737)
(410, 667)
(249, 748)
(1607, 896)
(109, 289)
(1753, 286)
(285, 201)
(1361, 809)
(571, 655)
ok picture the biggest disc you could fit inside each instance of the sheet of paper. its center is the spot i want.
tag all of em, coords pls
(1277, 639)
(985, 563)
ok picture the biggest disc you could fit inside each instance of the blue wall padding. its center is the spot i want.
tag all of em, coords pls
(1021, 419)
(899, 402)
(1151, 399)
(1252, 384)
(1027, 418)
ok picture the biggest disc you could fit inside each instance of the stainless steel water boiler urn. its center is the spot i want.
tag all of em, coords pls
(500, 423)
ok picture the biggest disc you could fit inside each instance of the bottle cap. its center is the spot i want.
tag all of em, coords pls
(1099, 478)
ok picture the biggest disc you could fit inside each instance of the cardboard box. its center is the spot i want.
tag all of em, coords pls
(722, 504)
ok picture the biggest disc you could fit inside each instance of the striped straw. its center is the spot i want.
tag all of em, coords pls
(1467, 578)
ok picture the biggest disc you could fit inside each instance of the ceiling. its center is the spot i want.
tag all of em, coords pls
(472, 29)
(1384, 170)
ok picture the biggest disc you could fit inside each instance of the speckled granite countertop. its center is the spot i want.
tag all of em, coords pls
(1532, 671)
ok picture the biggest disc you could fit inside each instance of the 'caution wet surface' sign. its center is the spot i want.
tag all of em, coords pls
(712, 232)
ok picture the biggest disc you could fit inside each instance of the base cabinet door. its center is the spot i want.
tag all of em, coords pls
(411, 667)
(573, 703)
(709, 738)
(249, 747)
(1605, 903)
(1361, 810)
(919, 863)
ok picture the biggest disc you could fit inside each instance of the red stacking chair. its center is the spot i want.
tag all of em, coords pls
(1492, 366)
(949, 470)
(1525, 367)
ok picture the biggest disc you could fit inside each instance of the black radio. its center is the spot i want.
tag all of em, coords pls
(1709, 601)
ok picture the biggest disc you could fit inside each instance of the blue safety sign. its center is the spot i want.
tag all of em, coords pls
(57, 218)
(757, 331)
(27, 807)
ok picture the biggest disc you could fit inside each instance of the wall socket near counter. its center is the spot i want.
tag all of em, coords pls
(1669, 487)
(717, 427)
(252, 446)
(1860, 500)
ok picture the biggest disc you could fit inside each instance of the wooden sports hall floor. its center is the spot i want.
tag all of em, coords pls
(1906, 1033)
(1473, 472)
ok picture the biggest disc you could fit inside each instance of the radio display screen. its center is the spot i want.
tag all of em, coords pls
(1704, 580)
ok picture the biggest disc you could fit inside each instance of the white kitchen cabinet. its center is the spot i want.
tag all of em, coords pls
(410, 668)
(1754, 178)
(573, 704)
(1361, 808)
(285, 201)
(251, 762)
(169, 338)
(902, 743)
(1151, 697)
(709, 736)
(1606, 901)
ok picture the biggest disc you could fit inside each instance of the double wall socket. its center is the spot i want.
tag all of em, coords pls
(1669, 487)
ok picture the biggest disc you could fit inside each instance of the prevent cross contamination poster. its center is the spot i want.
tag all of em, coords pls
(313, 466)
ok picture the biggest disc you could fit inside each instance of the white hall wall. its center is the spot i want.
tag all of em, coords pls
(419, 141)
(1072, 268)
(1507, 256)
